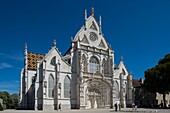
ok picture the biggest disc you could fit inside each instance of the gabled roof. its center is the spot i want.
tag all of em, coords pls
(88, 30)
(121, 64)
(56, 49)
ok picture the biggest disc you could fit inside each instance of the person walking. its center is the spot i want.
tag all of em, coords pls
(133, 106)
(59, 107)
(115, 106)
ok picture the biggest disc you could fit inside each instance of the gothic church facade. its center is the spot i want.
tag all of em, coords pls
(85, 77)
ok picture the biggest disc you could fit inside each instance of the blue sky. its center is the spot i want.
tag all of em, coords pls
(138, 30)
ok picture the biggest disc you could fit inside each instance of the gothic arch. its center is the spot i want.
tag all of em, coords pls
(50, 86)
(97, 94)
(123, 71)
(67, 87)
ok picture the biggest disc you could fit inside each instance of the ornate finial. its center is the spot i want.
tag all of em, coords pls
(54, 43)
(100, 20)
(85, 15)
(25, 45)
(92, 11)
(100, 25)
(121, 58)
(25, 48)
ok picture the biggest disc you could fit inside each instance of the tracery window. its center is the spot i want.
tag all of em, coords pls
(93, 64)
(117, 89)
(84, 61)
(105, 66)
(67, 87)
(50, 86)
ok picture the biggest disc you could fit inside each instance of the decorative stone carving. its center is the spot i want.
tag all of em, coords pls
(93, 36)
(102, 44)
(93, 26)
(85, 40)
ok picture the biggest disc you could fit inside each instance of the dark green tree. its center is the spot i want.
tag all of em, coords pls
(157, 79)
(10, 101)
(15, 98)
(1, 107)
(7, 101)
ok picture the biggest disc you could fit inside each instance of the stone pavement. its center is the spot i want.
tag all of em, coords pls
(126, 110)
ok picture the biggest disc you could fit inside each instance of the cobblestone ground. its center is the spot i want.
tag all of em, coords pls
(127, 110)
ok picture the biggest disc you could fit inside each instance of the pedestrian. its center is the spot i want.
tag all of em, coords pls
(115, 106)
(59, 107)
(133, 106)
(119, 107)
(136, 107)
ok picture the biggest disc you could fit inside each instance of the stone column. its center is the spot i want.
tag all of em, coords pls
(122, 91)
(82, 97)
(57, 74)
(113, 96)
(129, 90)
(37, 86)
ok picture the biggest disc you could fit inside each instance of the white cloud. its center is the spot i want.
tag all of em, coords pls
(4, 65)
(18, 57)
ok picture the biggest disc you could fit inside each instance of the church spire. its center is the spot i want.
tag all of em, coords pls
(85, 18)
(26, 67)
(100, 25)
(25, 50)
(25, 55)
(92, 11)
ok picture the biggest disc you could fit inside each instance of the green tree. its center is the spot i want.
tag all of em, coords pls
(157, 79)
(1, 107)
(15, 98)
(6, 99)
(10, 101)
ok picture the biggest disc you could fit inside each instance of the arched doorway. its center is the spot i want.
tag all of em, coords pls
(97, 94)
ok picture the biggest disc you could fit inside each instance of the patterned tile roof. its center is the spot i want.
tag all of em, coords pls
(32, 59)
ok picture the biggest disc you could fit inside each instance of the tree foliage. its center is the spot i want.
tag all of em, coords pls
(1, 107)
(10, 101)
(157, 79)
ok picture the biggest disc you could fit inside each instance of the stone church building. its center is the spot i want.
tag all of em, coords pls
(85, 77)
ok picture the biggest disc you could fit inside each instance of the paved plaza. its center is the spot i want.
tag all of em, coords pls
(127, 110)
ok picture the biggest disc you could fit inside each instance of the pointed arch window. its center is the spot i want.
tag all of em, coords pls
(117, 89)
(67, 87)
(123, 71)
(84, 63)
(93, 64)
(105, 66)
(50, 86)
